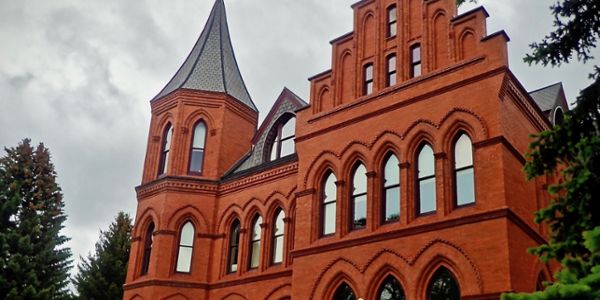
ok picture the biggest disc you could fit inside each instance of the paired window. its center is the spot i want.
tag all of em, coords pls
(390, 289)
(443, 286)
(186, 248)
(234, 246)
(283, 145)
(164, 150)
(464, 179)
(359, 197)
(392, 21)
(255, 242)
(415, 60)
(197, 152)
(148, 239)
(391, 189)
(328, 203)
(278, 238)
(391, 70)
(426, 180)
(368, 79)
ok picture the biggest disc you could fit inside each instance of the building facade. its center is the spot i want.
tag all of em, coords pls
(402, 179)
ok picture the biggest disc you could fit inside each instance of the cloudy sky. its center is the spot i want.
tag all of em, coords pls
(78, 75)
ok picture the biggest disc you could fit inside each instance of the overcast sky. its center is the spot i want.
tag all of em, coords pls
(78, 76)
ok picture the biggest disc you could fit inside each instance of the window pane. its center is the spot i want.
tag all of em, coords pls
(392, 29)
(187, 235)
(287, 147)
(416, 54)
(360, 180)
(417, 70)
(427, 195)
(368, 72)
(392, 204)
(443, 286)
(392, 14)
(199, 135)
(463, 153)
(165, 162)
(392, 79)
(330, 189)
(167, 141)
(391, 290)
(197, 160)
(329, 221)
(255, 254)
(465, 187)
(426, 162)
(233, 259)
(392, 63)
(392, 171)
(274, 150)
(279, 224)
(360, 211)
(184, 259)
(369, 88)
(278, 249)
(256, 231)
(344, 292)
(288, 129)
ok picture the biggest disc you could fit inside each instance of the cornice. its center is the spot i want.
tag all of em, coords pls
(259, 178)
(177, 184)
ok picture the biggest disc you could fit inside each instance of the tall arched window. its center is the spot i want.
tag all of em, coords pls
(443, 286)
(278, 238)
(328, 203)
(344, 292)
(197, 152)
(234, 246)
(283, 145)
(186, 248)
(390, 290)
(391, 189)
(392, 21)
(164, 150)
(464, 180)
(391, 70)
(255, 242)
(426, 180)
(358, 198)
(148, 239)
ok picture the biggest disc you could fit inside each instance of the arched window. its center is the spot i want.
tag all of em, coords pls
(426, 180)
(539, 283)
(255, 242)
(283, 145)
(559, 116)
(415, 60)
(368, 79)
(234, 246)
(164, 150)
(443, 286)
(390, 290)
(391, 189)
(278, 238)
(358, 197)
(391, 70)
(344, 292)
(186, 248)
(392, 21)
(148, 239)
(463, 171)
(328, 203)
(198, 144)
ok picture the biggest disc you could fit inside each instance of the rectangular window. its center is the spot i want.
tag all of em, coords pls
(415, 61)
(392, 21)
(391, 70)
(368, 79)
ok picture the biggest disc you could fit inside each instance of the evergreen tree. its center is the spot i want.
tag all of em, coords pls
(102, 275)
(34, 263)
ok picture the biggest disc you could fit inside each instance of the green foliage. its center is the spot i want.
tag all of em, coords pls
(571, 150)
(102, 275)
(34, 263)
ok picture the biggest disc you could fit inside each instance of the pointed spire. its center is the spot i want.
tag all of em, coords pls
(211, 65)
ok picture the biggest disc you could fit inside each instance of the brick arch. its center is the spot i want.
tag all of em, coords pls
(253, 212)
(440, 39)
(188, 212)
(280, 292)
(232, 212)
(325, 160)
(540, 269)
(177, 296)
(465, 119)
(346, 80)
(199, 115)
(254, 204)
(144, 219)
(234, 296)
(163, 121)
(417, 140)
(385, 142)
(273, 208)
(321, 104)
(136, 297)
(369, 29)
(381, 275)
(466, 42)
(340, 271)
(351, 159)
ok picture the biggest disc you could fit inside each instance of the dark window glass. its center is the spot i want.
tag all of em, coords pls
(359, 197)
(328, 202)
(463, 168)
(391, 189)
(368, 79)
(284, 145)
(148, 239)
(392, 21)
(278, 238)
(198, 145)
(391, 290)
(234, 245)
(164, 151)
(559, 116)
(391, 70)
(255, 243)
(186, 248)
(344, 292)
(443, 286)
(539, 284)
(415, 60)
(426, 180)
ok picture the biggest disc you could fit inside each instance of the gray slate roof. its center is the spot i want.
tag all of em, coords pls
(211, 65)
(548, 97)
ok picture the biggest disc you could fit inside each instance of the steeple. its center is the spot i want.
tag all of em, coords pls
(211, 65)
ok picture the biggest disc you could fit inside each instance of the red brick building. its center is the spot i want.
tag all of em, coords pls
(402, 179)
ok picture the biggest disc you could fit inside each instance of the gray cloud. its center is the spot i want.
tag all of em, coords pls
(78, 76)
